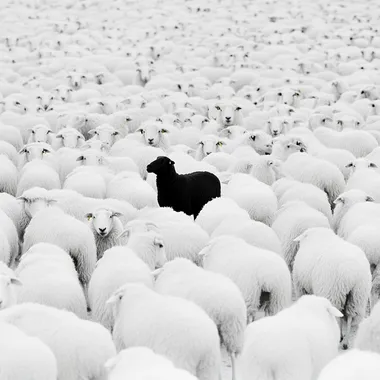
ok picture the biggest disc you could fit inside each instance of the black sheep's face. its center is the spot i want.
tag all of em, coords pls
(160, 165)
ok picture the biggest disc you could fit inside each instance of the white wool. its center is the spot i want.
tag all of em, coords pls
(216, 294)
(9, 176)
(12, 135)
(37, 173)
(45, 270)
(9, 151)
(257, 272)
(289, 348)
(183, 332)
(129, 187)
(328, 266)
(80, 347)
(215, 211)
(257, 198)
(352, 365)
(132, 362)
(22, 355)
(52, 225)
(291, 220)
(255, 233)
(118, 266)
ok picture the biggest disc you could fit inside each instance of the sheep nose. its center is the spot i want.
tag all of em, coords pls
(150, 141)
(228, 118)
(207, 153)
(63, 99)
(102, 231)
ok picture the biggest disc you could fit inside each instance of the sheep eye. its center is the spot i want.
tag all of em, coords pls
(17, 103)
(177, 121)
(142, 131)
(219, 143)
(128, 119)
(164, 130)
(218, 108)
(279, 94)
(45, 151)
(160, 245)
(159, 119)
(206, 121)
(238, 108)
(101, 103)
(33, 132)
(39, 97)
(187, 120)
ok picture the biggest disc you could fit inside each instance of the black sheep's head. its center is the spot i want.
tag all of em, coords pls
(161, 164)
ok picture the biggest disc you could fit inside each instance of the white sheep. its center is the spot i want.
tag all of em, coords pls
(181, 236)
(132, 362)
(9, 151)
(289, 349)
(330, 267)
(228, 113)
(37, 151)
(359, 143)
(69, 138)
(344, 202)
(309, 169)
(310, 194)
(352, 365)
(22, 355)
(208, 144)
(214, 293)
(255, 233)
(154, 134)
(52, 225)
(118, 266)
(291, 220)
(105, 133)
(257, 198)
(81, 347)
(9, 176)
(41, 133)
(262, 276)
(183, 332)
(14, 209)
(106, 227)
(49, 277)
(11, 135)
(37, 173)
(129, 187)
(9, 284)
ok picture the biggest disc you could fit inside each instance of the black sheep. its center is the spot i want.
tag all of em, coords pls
(183, 192)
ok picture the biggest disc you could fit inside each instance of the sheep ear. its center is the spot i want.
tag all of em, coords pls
(23, 199)
(16, 281)
(125, 233)
(350, 165)
(373, 165)
(23, 150)
(91, 132)
(80, 158)
(116, 297)
(157, 272)
(171, 162)
(334, 311)
(117, 214)
(89, 216)
(111, 363)
(188, 105)
(151, 226)
(340, 199)
(158, 241)
(300, 237)
(50, 201)
(369, 199)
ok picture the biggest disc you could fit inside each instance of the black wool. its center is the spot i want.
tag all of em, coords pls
(183, 192)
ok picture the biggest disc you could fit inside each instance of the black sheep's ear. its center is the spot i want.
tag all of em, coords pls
(171, 162)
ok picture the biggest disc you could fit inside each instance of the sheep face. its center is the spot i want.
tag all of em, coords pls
(361, 163)
(76, 80)
(8, 290)
(260, 141)
(32, 205)
(70, 138)
(232, 132)
(36, 151)
(161, 165)
(63, 93)
(105, 133)
(210, 144)
(40, 134)
(152, 133)
(277, 126)
(103, 221)
(45, 100)
(91, 157)
(228, 114)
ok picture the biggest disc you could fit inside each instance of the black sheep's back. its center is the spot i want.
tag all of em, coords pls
(204, 187)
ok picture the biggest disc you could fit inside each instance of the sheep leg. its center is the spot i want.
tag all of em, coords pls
(233, 365)
(347, 324)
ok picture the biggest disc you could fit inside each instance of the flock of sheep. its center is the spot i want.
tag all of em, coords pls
(185, 181)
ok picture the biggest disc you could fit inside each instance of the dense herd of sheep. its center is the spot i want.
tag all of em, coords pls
(189, 186)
